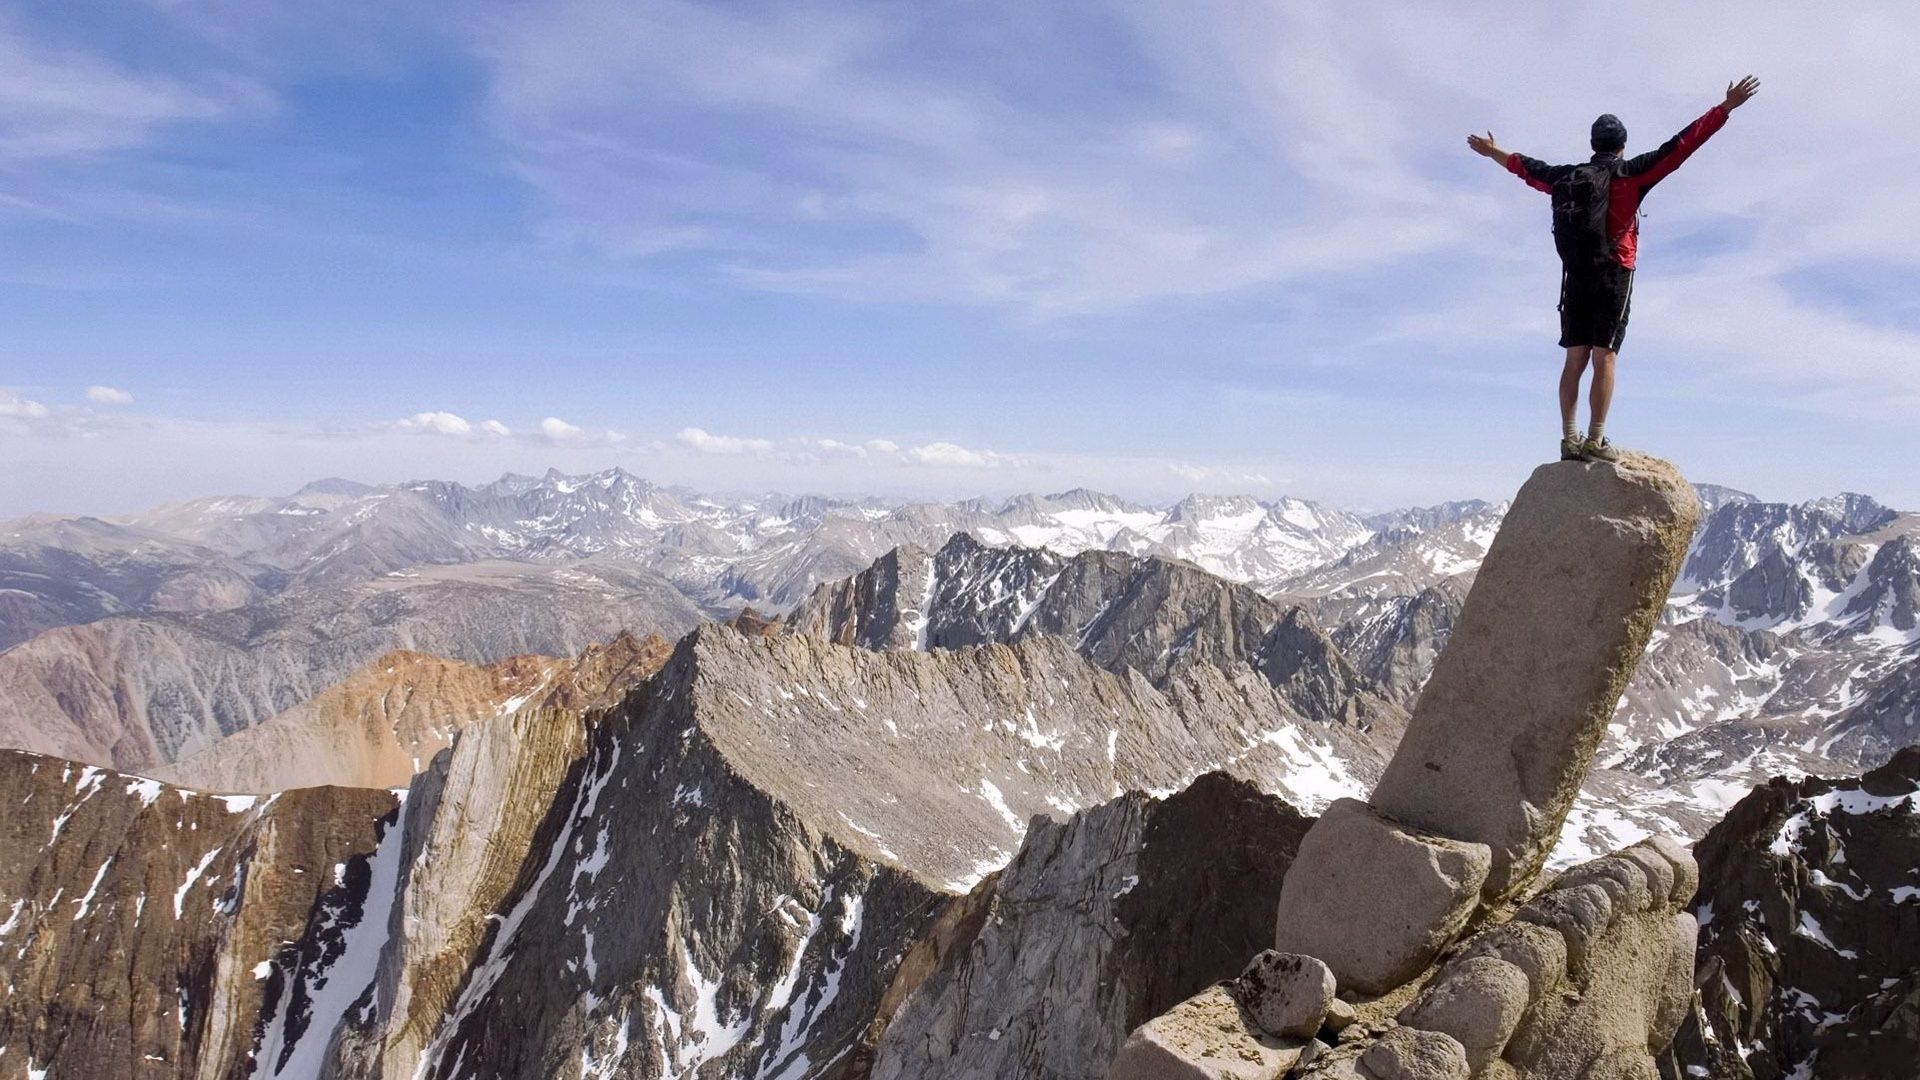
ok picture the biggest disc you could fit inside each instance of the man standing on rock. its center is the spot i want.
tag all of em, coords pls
(1596, 229)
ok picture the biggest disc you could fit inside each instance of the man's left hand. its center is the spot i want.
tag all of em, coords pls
(1739, 93)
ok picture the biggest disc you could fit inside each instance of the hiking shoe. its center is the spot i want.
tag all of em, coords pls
(1573, 449)
(1600, 449)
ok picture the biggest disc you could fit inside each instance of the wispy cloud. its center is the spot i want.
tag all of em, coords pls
(109, 395)
(707, 443)
(451, 424)
(876, 174)
(150, 456)
(58, 102)
(818, 150)
(940, 454)
(17, 406)
(559, 430)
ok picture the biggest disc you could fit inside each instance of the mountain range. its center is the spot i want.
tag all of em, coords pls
(150, 638)
(867, 831)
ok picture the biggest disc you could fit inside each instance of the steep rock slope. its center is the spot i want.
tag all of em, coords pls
(148, 927)
(376, 727)
(1124, 612)
(1809, 910)
(717, 876)
(1157, 617)
(755, 836)
(138, 691)
(1099, 923)
(1391, 600)
(1393, 640)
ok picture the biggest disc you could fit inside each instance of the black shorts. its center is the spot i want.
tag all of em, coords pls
(1593, 306)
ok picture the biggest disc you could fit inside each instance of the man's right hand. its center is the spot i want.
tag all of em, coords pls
(1739, 93)
(1486, 147)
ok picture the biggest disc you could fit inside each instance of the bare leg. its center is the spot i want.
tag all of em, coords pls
(1570, 381)
(1601, 397)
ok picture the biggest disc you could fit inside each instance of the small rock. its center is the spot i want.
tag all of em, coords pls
(1686, 872)
(1339, 1015)
(1411, 1054)
(1206, 1037)
(1375, 899)
(1538, 950)
(1676, 991)
(1478, 1001)
(1581, 914)
(1286, 994)
(1658, 870)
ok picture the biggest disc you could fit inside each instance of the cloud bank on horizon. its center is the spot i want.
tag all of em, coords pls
(928, 249)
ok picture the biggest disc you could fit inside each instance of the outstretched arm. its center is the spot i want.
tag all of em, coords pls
(1487, 148)
(1538, 174)
(1651, 167)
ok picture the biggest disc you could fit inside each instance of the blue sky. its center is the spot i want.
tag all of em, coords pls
(929, 248)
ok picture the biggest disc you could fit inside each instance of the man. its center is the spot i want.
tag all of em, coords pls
(1596, 229)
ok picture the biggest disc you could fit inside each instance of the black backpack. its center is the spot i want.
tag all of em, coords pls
(1580, 215)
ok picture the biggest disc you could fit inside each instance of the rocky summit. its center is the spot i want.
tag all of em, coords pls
(1054, 959)
(1420, 907)
(1558, 617)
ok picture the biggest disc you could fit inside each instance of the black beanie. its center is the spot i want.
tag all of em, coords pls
(1609, 134)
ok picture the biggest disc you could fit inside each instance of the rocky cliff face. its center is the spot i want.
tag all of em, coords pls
(1124, 612)
(1066, 950)
(133, 692)
(380, 725)
(719, 875)
(151, 930)
(1809, 911)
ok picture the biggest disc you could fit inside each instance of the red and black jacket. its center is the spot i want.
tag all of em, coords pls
(1632, 179)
